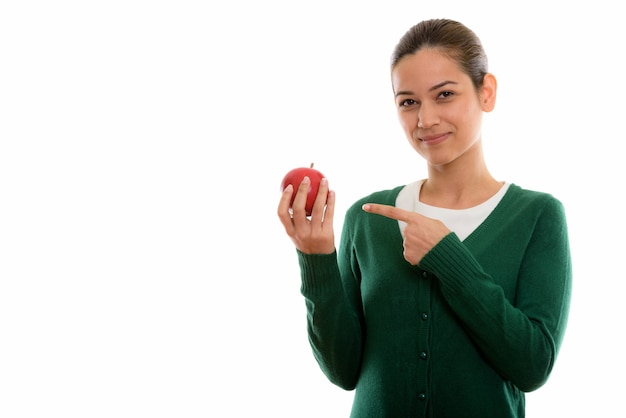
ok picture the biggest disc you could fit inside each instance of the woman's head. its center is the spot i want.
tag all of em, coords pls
(441, 89)
(450, 38)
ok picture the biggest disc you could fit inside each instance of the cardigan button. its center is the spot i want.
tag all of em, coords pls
(421, 396)
(424, 316)
(425, 274)
(423, 355)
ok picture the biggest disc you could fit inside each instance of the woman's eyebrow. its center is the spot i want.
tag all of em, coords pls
(435, 87)
(440, 85)
(405, 93)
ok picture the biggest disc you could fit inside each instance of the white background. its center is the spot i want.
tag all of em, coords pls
(143, 270)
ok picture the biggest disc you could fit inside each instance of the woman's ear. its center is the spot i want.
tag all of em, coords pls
(488, 92)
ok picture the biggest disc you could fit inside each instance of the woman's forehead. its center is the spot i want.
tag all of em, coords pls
(426, 67)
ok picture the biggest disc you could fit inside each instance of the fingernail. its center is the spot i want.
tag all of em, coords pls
(366, 207)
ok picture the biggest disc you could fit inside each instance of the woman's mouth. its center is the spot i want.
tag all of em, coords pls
(434, 139)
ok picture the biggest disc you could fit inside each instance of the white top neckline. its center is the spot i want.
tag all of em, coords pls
(460, 221)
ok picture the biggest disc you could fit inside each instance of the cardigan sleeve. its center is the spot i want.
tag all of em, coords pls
(333, 321)
(520, 338)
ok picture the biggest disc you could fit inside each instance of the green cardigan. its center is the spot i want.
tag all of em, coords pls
(463, 334)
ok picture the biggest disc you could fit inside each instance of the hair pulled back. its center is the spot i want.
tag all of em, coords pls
(452, 38)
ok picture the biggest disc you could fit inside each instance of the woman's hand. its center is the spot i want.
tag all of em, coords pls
(314, 234)
(421, 233)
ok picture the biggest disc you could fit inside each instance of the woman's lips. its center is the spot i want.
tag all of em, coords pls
(434, 139)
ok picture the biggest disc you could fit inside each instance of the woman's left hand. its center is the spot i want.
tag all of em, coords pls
(421, 233)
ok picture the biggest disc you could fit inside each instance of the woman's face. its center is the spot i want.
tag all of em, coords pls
(439, 109)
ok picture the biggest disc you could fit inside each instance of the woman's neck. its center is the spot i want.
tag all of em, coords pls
(459, 186)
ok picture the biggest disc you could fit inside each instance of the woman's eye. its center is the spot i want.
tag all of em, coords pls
(407, 102)
(445, 94)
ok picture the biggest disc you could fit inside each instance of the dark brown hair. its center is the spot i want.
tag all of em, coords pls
(451, 38)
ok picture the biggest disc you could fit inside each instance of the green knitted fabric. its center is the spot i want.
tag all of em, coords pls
(463, 334)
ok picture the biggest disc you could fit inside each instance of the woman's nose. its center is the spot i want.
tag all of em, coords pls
(427, 117)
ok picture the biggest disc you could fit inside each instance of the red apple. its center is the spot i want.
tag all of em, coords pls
(295, 177)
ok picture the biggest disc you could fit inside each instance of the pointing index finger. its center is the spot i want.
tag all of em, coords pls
(387, 211)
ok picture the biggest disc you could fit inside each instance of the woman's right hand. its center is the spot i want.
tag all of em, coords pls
(314, 234)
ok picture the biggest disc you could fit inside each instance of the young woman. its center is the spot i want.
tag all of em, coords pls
(449, 296)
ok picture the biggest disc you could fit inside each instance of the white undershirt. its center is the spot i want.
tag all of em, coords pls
(460, 221)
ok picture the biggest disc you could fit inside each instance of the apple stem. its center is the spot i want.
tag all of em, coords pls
(311, 165)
